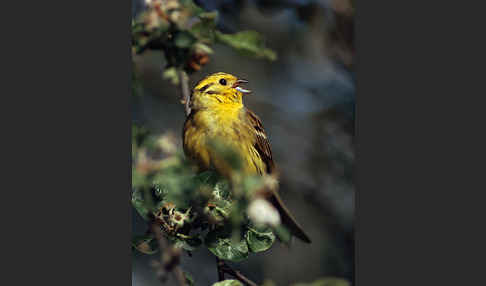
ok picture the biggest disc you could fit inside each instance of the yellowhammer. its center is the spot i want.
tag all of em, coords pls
(218, 113)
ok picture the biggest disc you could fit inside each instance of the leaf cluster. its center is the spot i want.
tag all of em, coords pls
(328, 281)
(185, 33)
(193, 209)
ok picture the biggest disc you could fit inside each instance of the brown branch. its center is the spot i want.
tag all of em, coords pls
(186, 93)
(169, 259)
(179, 275)
(220, 265)
(237, 274)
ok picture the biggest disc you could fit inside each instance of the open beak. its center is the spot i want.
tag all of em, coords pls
(237, 86)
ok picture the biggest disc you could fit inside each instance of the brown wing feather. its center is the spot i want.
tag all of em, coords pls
(261, 143)
(187, 124)
(262, 146)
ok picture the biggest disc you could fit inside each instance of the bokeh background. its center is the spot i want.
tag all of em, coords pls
(306, 100)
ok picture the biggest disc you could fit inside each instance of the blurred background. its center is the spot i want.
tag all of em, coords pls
(306, 100)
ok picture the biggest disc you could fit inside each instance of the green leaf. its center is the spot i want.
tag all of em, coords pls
(145, 244)
(171, 75)
(221, 243)
(331, 281)
(259, 241)
(184, 40)
(217, 213)
(139, 204)
(210, 178)
(190, 6)
(220, 201)
(252, 183)
(222, 190)
(160, 193)
(189, 278)
(178, 186)
(249, 43)
(189, 244)
(200, 47)
(228, 282)
(282, 233)
(205, 28)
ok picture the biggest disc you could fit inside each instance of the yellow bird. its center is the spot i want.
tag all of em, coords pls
(218, 113)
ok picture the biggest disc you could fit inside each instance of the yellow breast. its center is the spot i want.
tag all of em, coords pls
(224, 124)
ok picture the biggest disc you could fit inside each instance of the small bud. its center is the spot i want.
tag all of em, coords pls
(171, 75)
(171, 5)
(261, 212)
(152, 20)
(175, 16)
(167, 143)
(197, 60)
(202, 48)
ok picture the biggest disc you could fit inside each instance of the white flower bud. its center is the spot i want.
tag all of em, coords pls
(262, 212)
(167, 143)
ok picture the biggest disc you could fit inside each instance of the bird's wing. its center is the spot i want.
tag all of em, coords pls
(262, 145)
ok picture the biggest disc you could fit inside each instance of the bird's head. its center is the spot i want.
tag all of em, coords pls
(218, 88)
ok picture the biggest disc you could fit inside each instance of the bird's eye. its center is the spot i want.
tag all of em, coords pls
(222, 81)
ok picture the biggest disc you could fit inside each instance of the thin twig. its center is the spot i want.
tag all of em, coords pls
(179, 275)
(186, 93)
(220, 265)
(169, 259)
(237, 274)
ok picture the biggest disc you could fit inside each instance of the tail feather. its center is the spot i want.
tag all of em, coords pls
(287, 219)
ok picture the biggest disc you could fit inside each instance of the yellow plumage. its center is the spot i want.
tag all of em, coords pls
(218, 114)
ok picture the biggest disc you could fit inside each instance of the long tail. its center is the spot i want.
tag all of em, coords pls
(287, 219)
